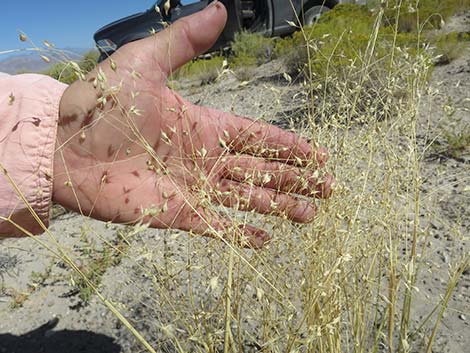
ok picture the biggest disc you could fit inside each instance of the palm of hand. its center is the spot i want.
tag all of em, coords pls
(133, 150)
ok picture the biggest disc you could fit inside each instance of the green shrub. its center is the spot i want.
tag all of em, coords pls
(449, 47)
(69, 71)
(458, 142)
(250, 49)
(342, 36)
(340, 39)
(341, 53)
(415, 15)
(62, 72)
(89, 61)
(319, 40)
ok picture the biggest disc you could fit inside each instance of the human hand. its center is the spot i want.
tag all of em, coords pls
(129, 149)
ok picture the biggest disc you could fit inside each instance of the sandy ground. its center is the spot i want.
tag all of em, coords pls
(40, 312)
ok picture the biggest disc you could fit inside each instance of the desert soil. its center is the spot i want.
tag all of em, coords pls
(41, 313)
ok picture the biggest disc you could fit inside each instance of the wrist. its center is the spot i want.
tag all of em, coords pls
(76, 103)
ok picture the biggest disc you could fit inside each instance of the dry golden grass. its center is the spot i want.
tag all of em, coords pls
(345, 283)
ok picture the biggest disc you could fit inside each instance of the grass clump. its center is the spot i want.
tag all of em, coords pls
(95, 260)
(455, 140)
(37, 279)
(458, 141)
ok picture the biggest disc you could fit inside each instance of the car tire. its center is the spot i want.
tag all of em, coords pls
(313, 14)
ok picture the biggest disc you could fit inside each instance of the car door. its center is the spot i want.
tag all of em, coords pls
(284, 11)
(234, 23)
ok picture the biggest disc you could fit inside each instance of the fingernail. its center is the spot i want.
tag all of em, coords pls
(322, 156)
(262, 238)
(332, 185)
(258, 237)
(259, 242)
(213, 3)
(306, 214)
(328, 186)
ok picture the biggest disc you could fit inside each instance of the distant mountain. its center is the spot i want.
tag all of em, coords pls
(31, 61)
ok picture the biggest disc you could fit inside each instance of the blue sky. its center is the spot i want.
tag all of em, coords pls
(64, 23)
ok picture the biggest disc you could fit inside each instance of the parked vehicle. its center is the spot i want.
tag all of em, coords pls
(268, 17)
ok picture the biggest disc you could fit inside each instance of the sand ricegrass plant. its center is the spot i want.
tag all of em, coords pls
(347, 282)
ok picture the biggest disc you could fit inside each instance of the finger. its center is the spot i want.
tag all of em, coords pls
(188, 37)
(265, 201)
(265, 140)
(278, 176)
(209, 223)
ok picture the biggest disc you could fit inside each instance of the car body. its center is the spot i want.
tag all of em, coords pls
(268, 17)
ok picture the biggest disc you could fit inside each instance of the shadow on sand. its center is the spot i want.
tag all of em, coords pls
(44, 340)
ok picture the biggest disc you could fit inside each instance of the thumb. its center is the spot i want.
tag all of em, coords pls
(188, 37)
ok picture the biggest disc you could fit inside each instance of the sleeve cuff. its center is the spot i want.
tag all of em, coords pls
(29, 106)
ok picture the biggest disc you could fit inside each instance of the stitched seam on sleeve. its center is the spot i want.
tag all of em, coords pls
(43, 199)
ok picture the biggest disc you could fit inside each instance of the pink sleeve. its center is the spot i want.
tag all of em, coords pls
(29, 107)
